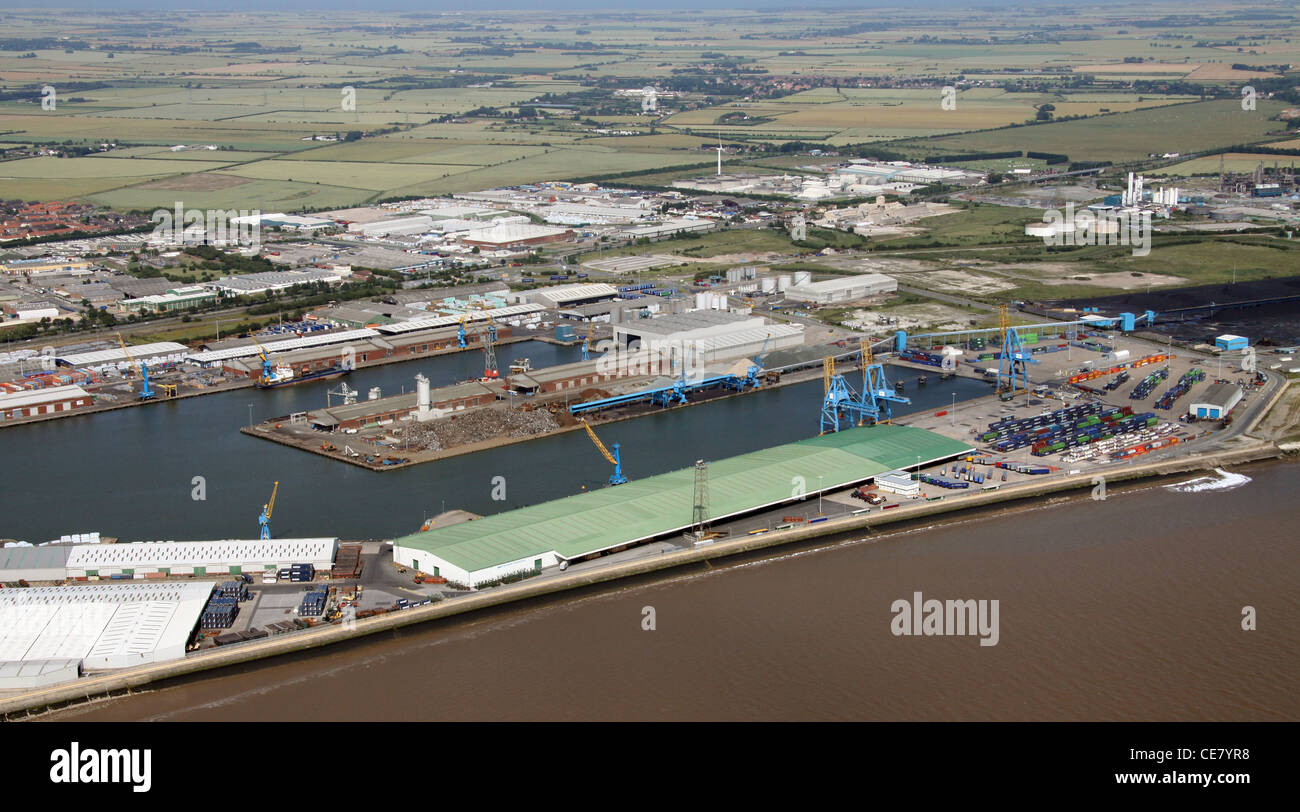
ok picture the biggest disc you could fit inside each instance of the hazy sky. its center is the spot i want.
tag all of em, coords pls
(488, 5)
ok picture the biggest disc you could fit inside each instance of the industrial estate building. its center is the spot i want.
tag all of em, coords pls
(705, 336)
(585, 525)
(843, 289)
(57, 632)
(35, 402)
(1216, 401)
(143, 559)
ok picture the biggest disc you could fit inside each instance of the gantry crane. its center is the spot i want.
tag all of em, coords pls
(1012, 374)
(264, 520)
(839, 401)
(146, 391)
(617, 477)
(460, 332)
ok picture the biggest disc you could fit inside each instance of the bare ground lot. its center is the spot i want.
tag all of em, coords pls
(910, 317)
(1066, 273)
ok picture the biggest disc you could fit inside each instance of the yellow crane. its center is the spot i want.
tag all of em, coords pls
(264, 520)
(613, 458)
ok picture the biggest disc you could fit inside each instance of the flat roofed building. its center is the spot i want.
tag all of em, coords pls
(516, 235)
(843, 289)
(899, 482)
(198, 557)
(141, 353)
(684, 327)
(669, 228)
(569, 295)
(103, 626)
(585, 525)
(250, 350)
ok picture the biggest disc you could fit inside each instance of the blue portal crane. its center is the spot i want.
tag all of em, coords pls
(264, 519)
(146, 391)
(613, 458)
(1012, 360)
(840, 402)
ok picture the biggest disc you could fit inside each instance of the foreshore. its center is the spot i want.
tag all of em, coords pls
(118, 682)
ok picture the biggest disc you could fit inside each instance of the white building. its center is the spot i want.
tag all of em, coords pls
(415, 224)
(705, 336)
(95, 626)
(198, 557)
(899, 482)
(1216, 401)
(843, 289)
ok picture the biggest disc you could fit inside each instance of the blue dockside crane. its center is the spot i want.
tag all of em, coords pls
(841, 402)
(146, 391)
(264, 519)
(613, 457)
(1012, 360)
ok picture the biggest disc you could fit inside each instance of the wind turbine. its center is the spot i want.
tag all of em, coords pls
(719, 153)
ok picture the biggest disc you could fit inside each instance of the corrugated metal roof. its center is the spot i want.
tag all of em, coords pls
(140, 352)
(250, 350)
(497, 313)
(641, 509)
(34, 397)
(47, 556)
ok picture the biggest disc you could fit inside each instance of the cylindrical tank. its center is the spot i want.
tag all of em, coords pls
(783, 282)
(422, 392)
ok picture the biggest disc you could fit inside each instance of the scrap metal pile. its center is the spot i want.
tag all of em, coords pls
(476, 426)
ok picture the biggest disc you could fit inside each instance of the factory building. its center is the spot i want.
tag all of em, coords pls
(684, 327)
(436, 403)
(843, 289)
(515, 236)
(199, 558)
(1216, 401)
(115, 358)
(616, 310)
(515, 315)
(218, 357)
(36, 402)
(252, 283)
(48, 562)
(182, 298)
(748, 343)
(669, 228)
(415, 224)
(577, 375)
(567, 295)
(584, 526)
(56, 632)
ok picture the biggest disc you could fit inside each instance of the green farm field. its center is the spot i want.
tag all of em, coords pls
(458, 102)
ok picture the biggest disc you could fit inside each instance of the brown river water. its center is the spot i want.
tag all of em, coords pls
(1123, 609)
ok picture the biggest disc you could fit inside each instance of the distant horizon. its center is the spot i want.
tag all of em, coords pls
(772, 6)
